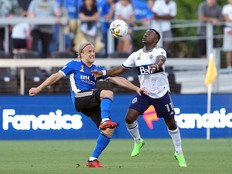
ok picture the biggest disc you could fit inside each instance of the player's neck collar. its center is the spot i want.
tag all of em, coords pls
(146, 51)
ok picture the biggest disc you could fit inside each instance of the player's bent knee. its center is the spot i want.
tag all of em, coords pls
(107, 93)
(108, 132)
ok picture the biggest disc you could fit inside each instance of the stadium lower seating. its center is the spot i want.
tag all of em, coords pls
(34, 76)
(4, 55)
(8, 82)
(27, 55)
(174, 86)
(62, 86)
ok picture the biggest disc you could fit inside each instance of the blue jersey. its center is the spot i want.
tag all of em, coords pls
(80, 76)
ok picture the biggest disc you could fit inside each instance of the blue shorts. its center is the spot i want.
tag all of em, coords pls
(163, 106)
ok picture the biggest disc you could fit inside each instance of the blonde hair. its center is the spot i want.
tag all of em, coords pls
(81, 47)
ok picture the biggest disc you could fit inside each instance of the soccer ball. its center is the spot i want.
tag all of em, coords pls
(119, 28)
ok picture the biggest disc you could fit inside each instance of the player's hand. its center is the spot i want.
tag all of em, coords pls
(141, 90)
(34, 91)
(154, 68)
(97, 73)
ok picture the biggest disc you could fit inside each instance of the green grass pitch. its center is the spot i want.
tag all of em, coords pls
(156, 157)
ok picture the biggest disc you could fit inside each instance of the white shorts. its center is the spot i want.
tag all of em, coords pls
(227, 42)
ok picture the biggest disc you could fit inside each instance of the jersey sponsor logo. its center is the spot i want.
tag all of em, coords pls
(84, 77)
(146, 69)
(52, 121)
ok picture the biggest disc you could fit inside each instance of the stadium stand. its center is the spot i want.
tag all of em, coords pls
(119, 55)
(27, 55)
(34, 76)
(62, 86)
(8, 81)
(4, 55)
(175, 87)
(63, 54)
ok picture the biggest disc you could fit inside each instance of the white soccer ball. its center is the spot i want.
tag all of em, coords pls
(119, 28)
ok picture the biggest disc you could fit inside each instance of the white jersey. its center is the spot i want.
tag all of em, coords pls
(162, 8)
(155, 83)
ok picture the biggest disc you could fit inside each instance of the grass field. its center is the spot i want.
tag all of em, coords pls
(156, 157)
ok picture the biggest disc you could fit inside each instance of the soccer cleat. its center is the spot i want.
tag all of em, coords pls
(107, 124)
(181, 159)
(137, 147)
(94, 164)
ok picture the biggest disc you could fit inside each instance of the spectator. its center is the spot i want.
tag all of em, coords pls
(227, 41)
(89, 16)
(124, 10)
(70, 8)
(107, 13)
(20, 34)
(164, 11)
(43, 33)
(208, 11)
(24, 4)
(8, 9)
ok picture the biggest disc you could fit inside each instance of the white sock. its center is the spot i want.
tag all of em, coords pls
(104, 119)
(92, 158)
(176, 139)
(133, 129)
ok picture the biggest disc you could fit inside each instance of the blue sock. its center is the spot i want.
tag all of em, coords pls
(105, 107)
(102, 142)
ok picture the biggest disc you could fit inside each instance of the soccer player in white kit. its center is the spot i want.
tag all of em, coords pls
(149, 61)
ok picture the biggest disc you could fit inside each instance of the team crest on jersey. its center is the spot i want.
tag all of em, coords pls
(134, 100)
(151, 56)
(139, 57)
(82, 68)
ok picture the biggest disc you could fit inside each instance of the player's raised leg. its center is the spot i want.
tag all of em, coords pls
(106, 101)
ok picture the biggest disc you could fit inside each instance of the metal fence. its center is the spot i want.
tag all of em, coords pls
(188, 72)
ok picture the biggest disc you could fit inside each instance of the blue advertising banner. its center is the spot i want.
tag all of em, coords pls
(54, 117)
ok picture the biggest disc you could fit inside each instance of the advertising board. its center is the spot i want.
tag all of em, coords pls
(54, 117)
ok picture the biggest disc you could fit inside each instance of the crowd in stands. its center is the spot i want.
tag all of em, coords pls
(89, 21)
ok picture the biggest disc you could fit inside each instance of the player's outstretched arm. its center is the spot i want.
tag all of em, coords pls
(49, 81)
(120, 81)
(111, 72)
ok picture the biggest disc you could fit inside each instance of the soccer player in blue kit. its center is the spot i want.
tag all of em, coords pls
(87, 99)
(149, 62)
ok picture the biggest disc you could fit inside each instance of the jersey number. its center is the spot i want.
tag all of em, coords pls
(169, 107)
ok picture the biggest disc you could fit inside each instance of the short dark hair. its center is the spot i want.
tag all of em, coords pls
(157, 33)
